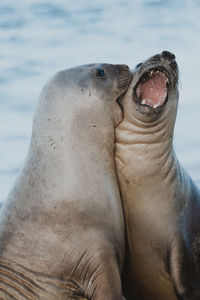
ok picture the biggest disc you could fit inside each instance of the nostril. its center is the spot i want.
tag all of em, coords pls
(125, 67)
(173, 63)
(122, 67)
(168, 55)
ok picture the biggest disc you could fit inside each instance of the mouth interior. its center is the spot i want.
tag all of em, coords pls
(152, 88)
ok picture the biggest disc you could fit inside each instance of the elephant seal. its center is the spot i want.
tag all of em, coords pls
(62, 228)
(161, 202)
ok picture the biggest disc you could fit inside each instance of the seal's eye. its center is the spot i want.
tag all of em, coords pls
(100, 73)
(138, 65)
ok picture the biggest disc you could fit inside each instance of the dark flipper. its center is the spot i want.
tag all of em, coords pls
(186, 285)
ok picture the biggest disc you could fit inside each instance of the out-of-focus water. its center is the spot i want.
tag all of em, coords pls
(38, 38)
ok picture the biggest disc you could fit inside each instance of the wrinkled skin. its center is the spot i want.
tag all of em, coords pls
(61, 228)
(161, 202)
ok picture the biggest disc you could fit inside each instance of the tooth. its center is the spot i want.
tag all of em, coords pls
(143, 101)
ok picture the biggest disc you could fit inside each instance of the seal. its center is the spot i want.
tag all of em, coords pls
(62, 228)
(161, 202)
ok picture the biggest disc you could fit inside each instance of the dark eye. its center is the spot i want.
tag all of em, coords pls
(138, 65)
(100, 73)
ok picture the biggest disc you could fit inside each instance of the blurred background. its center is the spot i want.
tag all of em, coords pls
(38, 38)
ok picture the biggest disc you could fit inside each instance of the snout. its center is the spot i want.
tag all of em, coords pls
(168, 55)
(123, 78)
(168, 59)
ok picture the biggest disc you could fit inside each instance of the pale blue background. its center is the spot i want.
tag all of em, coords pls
(38, 38)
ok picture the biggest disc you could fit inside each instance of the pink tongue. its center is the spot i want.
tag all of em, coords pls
(153, 92)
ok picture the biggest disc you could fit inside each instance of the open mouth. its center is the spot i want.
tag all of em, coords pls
(152, 88)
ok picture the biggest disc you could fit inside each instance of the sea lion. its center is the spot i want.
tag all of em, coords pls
(161, 202)
(61, 228)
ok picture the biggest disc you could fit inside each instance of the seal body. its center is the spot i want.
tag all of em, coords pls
(161, 202)
(61, 228)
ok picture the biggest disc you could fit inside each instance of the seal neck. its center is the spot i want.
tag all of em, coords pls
(148, 148)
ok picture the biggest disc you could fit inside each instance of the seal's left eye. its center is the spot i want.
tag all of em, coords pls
(138, 65)
(100, 73)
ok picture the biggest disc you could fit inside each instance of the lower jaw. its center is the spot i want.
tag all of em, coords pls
(144, 108)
